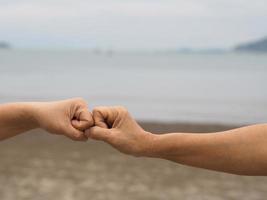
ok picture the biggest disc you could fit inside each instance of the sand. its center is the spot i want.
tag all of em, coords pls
(41, 166)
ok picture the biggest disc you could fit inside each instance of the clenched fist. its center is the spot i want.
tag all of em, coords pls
(68, 117)
(115, 126)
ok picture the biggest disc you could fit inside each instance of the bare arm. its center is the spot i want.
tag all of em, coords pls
(68, 117)
(16, 118)
(240, 151)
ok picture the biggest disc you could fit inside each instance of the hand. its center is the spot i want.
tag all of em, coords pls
(115, 126)
(68, 117)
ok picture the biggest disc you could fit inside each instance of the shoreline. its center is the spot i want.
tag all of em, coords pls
(194, 127)
(40, 137)
(38, 165)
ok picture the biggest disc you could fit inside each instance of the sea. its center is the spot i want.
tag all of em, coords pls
(165, 87)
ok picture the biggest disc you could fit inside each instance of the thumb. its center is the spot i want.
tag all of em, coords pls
(82, 125)
(83, 119)
(98, 133)
(75, 134)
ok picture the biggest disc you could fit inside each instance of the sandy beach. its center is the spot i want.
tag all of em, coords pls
(176, 66)
(40, 166)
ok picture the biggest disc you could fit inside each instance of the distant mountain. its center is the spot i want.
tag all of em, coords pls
(256, 46)
(4, 45)
(202, 51)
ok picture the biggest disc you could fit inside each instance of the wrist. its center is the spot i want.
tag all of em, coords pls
(29, 112)
(162, 145)
(150, 144)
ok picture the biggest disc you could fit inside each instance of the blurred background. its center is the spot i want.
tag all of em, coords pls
(177, 65)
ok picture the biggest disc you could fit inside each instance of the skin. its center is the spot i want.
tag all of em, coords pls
(241, 151)
(68, 117)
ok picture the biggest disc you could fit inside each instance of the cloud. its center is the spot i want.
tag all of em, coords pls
(189, 8)
(133, 24)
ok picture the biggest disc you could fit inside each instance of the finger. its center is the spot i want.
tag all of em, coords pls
(75, 134)
(83, 124)
(83, 120)
(98, 133)
(80, 125)
(104, 116)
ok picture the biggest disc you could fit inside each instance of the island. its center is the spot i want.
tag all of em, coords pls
(256, 46)
(4, 45)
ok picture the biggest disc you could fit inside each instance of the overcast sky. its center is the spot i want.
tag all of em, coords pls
(131, 24)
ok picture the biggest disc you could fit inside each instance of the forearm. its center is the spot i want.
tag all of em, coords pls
(16, 118)
(238, 151)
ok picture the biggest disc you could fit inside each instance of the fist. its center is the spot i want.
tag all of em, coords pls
(68, 117)
(115, 126)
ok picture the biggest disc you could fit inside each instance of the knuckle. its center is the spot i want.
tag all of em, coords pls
(122, 109)
(97, 110)
(80, 100)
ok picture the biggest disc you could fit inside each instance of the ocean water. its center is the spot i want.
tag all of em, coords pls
(217, 88)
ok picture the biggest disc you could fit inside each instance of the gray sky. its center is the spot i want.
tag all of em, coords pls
(132, 24)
